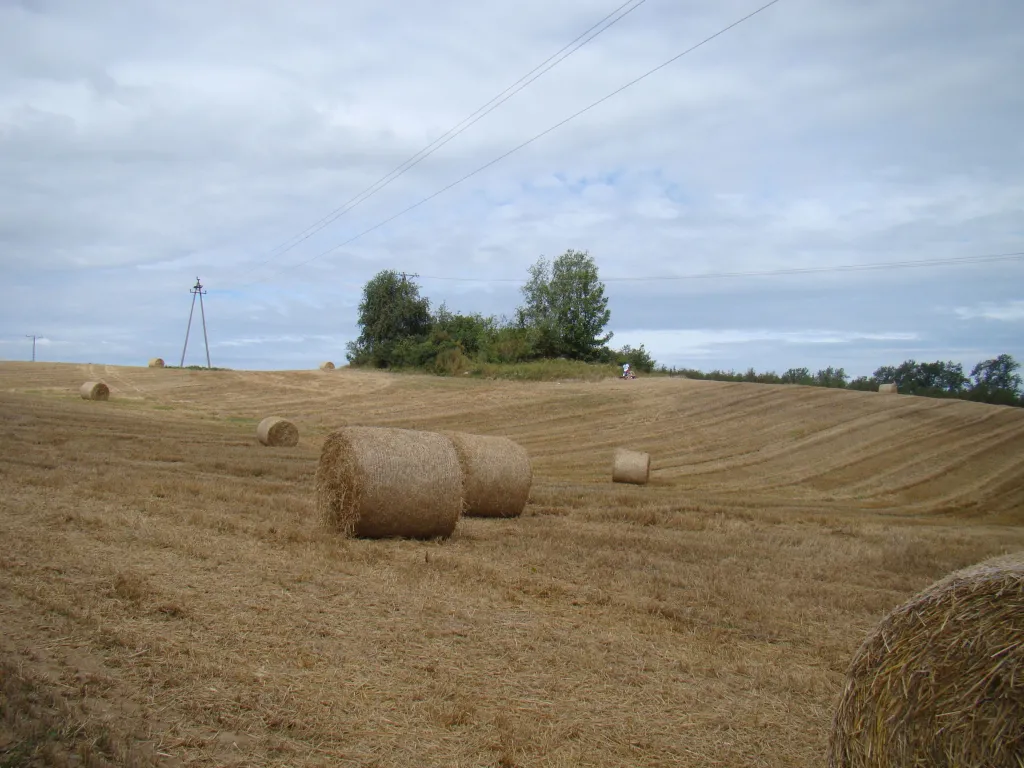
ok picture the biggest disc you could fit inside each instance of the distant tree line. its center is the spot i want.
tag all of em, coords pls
(564, 315)
(991, 381)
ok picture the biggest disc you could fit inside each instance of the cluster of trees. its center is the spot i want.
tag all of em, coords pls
(564, 314)
(990, 381)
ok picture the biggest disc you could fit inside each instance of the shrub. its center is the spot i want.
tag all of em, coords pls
(639, 359)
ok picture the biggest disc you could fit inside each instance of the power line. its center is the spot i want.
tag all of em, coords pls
(454, 131)
(525, 143)
(981, 259)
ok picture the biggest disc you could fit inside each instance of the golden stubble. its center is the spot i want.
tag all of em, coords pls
(168, 596)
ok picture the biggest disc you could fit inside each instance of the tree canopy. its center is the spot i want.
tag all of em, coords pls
(565, 307)
(391, 313)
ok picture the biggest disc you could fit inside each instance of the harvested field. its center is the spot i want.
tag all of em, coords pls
(167, 597)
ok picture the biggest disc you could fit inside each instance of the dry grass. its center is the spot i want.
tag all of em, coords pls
(631, 467)
(496, 475)
(940, 682)
(380, 482)
(165, 576)
(275, 431)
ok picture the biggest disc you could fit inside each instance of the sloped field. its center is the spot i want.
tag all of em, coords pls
(165, 597)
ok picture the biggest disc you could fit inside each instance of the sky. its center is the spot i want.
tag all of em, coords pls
(145, 144)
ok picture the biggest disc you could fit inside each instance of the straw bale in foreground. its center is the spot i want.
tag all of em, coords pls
(940, 681)
(94, 390)
(156, 362)
(378, 482)
(888, 389)
(496, 475)
(276, 431)
(631, 467)
(327, 366)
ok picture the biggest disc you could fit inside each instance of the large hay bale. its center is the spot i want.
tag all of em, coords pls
(378, 482)
(888, 389)
(631, 467)
(156, 362)
(940, 681)
(278, 432)
(496, 475)
(94, 390)
(328, 366)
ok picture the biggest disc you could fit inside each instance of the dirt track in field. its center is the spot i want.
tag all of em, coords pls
(167, 599)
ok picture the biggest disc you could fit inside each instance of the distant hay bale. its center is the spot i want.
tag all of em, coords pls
(940, 681)
(631, 467)
(328, 366)
(156, 362)
(496, 475)
(277, 432)
(95, 390)
(888, 389)
(378, 482)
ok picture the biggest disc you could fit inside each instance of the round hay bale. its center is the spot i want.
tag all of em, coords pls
(940, 681)
(328, 366)
(156, 362)
(496, 475)
(95, 390)
(888, 389)
(377, 482)
(275, 431)
(631, 467)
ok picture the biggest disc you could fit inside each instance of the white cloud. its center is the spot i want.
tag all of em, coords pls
(1010, 311)
(278, 339)
(666, 343)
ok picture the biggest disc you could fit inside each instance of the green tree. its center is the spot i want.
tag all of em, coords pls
(394, 321)
(864, 384)
(565, 306)
(470, 333)
(797, 376)
(935, 379)
(831, 377)
(997, 374)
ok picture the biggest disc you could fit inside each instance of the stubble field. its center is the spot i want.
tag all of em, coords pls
(166, 597)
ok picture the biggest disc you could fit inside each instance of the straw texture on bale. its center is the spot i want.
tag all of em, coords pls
(888, 389)
(378, 482)
(496, 475)
(156, 362)
(328, 366)
(276, 431)
(631, 467)
(94, 390)
(940, 681)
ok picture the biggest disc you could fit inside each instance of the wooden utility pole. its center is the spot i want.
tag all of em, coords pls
(33, 337)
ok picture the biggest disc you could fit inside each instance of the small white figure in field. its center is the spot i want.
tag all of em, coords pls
(626, 372)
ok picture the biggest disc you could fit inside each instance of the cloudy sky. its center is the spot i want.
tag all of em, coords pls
(145, 143)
